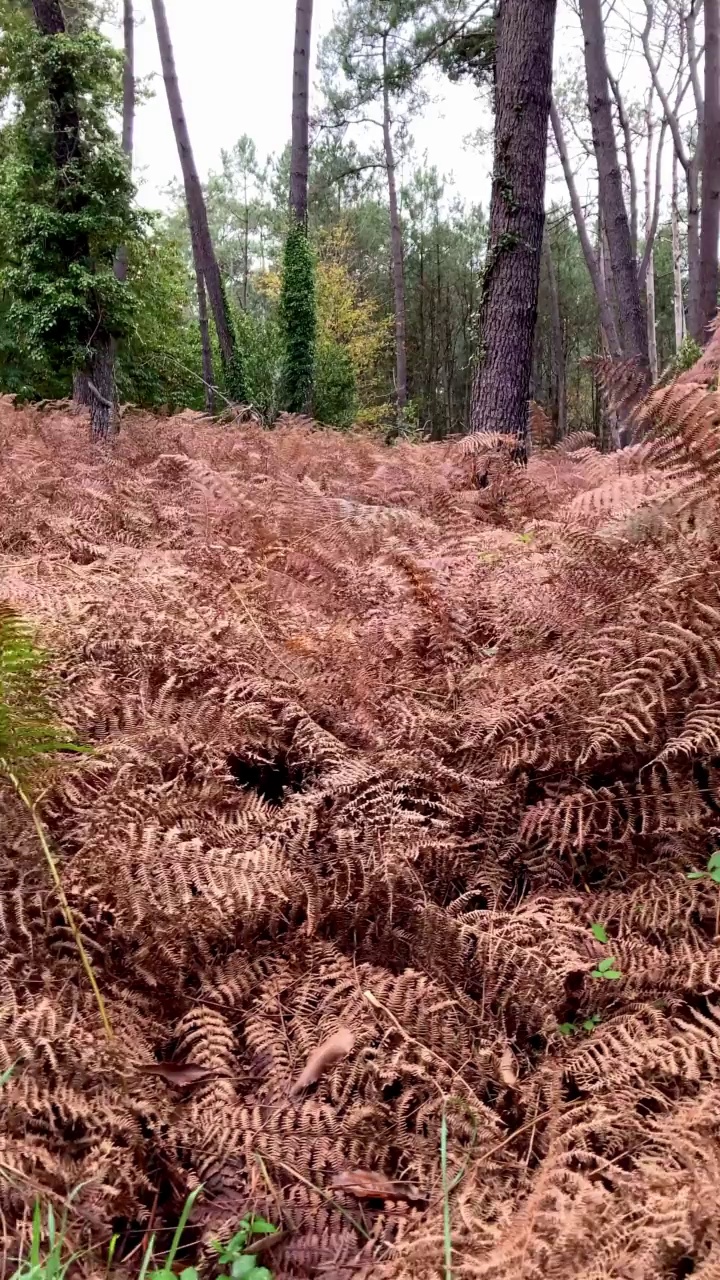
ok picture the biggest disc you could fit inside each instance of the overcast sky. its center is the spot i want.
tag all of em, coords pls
(234, 60)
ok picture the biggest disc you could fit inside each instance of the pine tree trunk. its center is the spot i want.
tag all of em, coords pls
(128, 116)
(650, 271)
(207, 364)
(300, 149)
(197, 211)
(693, 248)
(633, 332)
(396, 245)
(104, 421)
(509, 282)
(557, 346)
(710, 222)
(607, 319)
(678, 307)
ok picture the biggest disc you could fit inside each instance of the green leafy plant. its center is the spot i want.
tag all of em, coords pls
(599, 933)
(607, 969)
(574, 1028)
(711, 872)
(44, 1260)
(243, 1265)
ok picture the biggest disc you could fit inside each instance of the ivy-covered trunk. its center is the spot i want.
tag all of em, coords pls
(509, 280)
(95, 387)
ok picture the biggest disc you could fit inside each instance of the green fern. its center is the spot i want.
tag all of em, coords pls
(26, 725)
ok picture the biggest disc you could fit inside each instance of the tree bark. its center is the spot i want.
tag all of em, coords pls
(104, 420)
(196, 208)
(557, 346)
(396, 243)
(607, 319)
(691, 164)
(300, 149)
(710, 222)
(128, 116)
(633, 333)
(629, 161)
(509, 288)
(678, 307)
(650, 267)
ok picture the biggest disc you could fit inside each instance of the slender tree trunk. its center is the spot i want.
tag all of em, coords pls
(607, 319)
(629, 161)
(557, 345)
(196, 208)
(678, 307)
(710, 223)
(508, 305)
(650, 268)
(396, 242)
(300, 148)
(204, 326)
(693, 248)
(128, 116)
(633, 332)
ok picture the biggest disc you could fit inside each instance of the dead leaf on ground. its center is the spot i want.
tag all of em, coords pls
(332, 1050)
(366, 1184)
(179, 1074)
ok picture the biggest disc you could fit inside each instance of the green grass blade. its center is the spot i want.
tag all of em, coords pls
(187, 1209)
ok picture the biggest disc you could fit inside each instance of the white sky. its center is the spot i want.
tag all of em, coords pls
(234, 60)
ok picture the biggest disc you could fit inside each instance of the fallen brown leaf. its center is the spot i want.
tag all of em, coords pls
(367, 1184)
(179, 1074)
(332, 1050)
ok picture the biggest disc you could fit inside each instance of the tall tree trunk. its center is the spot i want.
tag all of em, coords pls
(633, 333)
(300, 148)
(691, 164)
(607, 319)
(678, 307)
(128, 116)
(196, 209)
(650, 268)
(206, 348)
(710, 223)
(396, 243)
(508, 305)
(94, 386)
(557, 346)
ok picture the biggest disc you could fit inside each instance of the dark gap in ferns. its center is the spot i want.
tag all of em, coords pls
(271, 778)
(684, 1267)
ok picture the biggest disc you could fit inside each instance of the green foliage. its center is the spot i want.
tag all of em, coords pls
(298, 320)
(261, 344)
(599, 932)
(574, 1028)
(335, 392)
(160, 363)
(27, 731)
(470, 54)
(687, 355)
(65, 195)
(45, 1259)
(242, 1265)
(606, 969)
(712, 870)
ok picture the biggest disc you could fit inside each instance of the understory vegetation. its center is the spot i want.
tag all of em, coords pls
(394, 851)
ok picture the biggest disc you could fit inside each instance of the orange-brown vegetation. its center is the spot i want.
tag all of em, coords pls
(379, 734)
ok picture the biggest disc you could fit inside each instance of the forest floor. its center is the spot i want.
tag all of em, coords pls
(399, 754)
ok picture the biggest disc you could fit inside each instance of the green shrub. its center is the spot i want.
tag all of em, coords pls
(335, 391)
